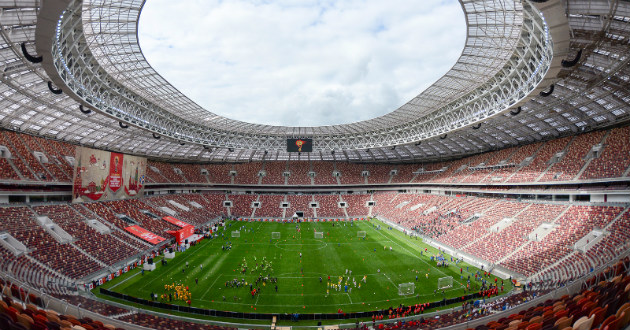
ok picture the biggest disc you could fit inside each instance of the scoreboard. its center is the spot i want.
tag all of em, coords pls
(299, 145)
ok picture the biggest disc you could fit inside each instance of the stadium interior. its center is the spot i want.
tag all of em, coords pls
(517, 161)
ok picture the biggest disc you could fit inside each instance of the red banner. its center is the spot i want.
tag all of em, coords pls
(115, 171)
(176, 222)
(145, 234)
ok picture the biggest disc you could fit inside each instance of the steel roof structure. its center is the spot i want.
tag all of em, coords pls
(530, 70)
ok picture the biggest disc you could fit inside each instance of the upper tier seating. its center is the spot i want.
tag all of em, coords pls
(614, 160)
(274, 172)
(531, 172)
(299, 173)
(350, 173)
(574, 160)
(323, 173)
(247, 173)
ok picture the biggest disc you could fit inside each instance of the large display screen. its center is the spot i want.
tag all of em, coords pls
(102, 175)
(299, 145)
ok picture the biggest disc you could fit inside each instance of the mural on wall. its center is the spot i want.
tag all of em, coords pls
(99, 175)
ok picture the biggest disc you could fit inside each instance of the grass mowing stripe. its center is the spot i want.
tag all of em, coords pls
(299, 289)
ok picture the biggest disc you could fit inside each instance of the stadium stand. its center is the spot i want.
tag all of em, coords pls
(531, 182)
(350, 173)
(275, 172)
(329, 206)
(299, 173)
(323, 173)
(247, 173)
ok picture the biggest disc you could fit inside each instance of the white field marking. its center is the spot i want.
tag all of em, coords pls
(349, 298)
(331, 294)
(125, 280)
(414, 255)
(211, 271)
(390, 279)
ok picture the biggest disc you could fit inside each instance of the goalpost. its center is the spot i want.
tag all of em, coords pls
(319, 234)
(360, 234)
(445, 282)
(405, 289)
(275, 235)
(236, 233)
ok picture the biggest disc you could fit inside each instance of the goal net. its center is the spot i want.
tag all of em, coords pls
(405, 289)
(236, 233)
(319, 234)
(445, 282)
(275, 235)
(360, 234)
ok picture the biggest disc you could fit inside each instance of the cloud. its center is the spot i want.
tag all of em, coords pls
(302, 63)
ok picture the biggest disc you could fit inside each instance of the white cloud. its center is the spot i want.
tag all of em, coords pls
(302, 63)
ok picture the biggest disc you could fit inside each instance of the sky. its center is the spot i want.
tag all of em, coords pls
(301, 62)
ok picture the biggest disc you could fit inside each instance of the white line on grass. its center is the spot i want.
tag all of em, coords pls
(125, 280)
(416, 256)
(349, 298)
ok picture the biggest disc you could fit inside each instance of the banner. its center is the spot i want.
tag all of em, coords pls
(115, 171)
(176, 222)
(144, 234)
(99, 175)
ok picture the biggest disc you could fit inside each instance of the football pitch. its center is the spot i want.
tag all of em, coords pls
(220, 273)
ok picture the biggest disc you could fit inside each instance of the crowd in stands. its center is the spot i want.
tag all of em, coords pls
(614, 160)
(300, 203)
(299, 173)
(219, 173)
(574, 159)
(351, 173)
(247, 173)
(555, 160)
(275, 172)
(323, 173)
(356, 204)
(241, 205)
(329, 206)
(104, 247)
(540, 162)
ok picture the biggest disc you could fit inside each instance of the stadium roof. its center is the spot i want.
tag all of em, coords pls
(510, 86)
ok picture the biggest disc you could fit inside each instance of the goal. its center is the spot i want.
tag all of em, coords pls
(360, 234)
(445, 282)
(275, 235)
(236, 233)
(319, 234)
(405, 289)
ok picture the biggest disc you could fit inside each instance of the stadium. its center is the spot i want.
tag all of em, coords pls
(496, 198)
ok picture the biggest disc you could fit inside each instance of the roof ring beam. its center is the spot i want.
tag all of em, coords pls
(568, 64)
(545, 94)
(83, 110)
(29, 57)
(53, 89)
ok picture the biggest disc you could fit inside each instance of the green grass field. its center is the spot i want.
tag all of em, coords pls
(299, 288)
